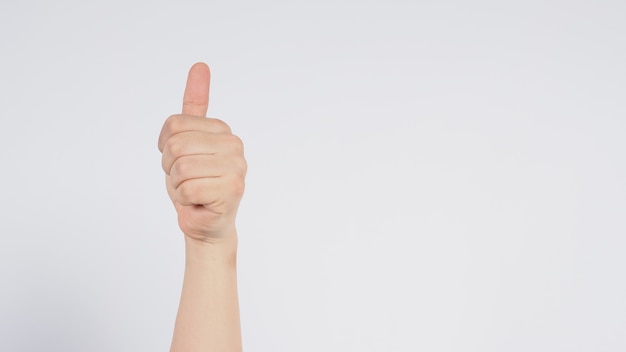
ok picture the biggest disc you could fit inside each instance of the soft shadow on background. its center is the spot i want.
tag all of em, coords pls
(423, 176)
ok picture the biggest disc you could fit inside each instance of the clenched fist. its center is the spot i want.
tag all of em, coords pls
(204, 165)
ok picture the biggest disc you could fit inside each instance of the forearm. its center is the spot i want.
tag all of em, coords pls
(205, 171)
(208, 314)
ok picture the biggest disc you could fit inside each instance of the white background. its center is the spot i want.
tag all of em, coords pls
(423, 176)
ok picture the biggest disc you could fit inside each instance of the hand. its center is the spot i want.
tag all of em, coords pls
(204, 165)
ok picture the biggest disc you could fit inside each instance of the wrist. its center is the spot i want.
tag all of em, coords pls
(223, 250)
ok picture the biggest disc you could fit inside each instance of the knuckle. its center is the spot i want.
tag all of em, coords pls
(179, 172)
(242, 166)
(164, 164)
(170, 128)
(175, 146)
(181, 167)
(236, 143)
(187, 193)
(220, 125)
(173, 123)
(237, 186)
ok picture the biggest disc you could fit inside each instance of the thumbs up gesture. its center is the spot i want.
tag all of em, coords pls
(204, 165)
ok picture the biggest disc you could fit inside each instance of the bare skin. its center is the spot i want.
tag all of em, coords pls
(205, 172)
